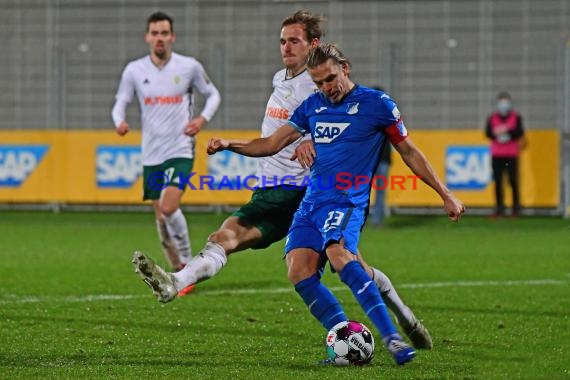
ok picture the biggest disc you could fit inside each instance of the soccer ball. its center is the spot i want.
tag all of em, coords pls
(350, 342)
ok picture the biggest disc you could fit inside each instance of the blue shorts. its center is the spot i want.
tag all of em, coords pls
(316, 227)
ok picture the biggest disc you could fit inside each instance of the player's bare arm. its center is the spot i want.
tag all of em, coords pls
(305, 153)
(418, 163)
(261, 147)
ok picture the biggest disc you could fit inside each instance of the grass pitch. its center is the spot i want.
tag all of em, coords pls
(494, 295)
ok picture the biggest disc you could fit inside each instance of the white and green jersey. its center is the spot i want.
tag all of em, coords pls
(166, 99)
(287, 95)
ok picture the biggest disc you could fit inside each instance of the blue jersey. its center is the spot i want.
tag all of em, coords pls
(347, 138)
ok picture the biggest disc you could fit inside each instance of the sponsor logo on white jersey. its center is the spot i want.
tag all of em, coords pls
(17, 162)
(327, 132)
(118, 166)
(352, 108)
(467, 167)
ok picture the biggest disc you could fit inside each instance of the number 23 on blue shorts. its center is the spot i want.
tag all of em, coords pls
(315, 227)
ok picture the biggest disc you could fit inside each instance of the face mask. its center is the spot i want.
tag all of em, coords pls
(504, 106)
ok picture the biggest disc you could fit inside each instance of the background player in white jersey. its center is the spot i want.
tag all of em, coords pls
(163, 81)
(268, 216)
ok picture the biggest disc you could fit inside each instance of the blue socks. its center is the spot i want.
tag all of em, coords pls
(321, 302)
(368, 296)
(326, 308)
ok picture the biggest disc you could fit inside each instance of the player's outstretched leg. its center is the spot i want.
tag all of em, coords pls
(155, 277)
(353, 275)
(234, 235)
(204, 265)
(412, 327)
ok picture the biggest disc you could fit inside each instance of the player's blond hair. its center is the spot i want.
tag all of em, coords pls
(325, 51)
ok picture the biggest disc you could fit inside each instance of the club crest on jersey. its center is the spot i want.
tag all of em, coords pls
(177, 79)
(352, 108)
(327, 132)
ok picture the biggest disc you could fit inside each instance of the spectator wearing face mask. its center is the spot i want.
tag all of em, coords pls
(505, 129)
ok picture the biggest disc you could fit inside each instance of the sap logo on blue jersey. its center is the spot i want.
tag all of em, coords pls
(118, 166)
(327, 132)
(226, 164)
(17, 162)
(467, 167)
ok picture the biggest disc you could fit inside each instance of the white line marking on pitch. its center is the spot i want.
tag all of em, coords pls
(424, 285)
(11, 298)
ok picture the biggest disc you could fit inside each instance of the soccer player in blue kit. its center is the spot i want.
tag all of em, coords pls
(348, 124)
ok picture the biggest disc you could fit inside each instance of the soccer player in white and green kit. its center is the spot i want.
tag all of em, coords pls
(163, 82)
(268, 216)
